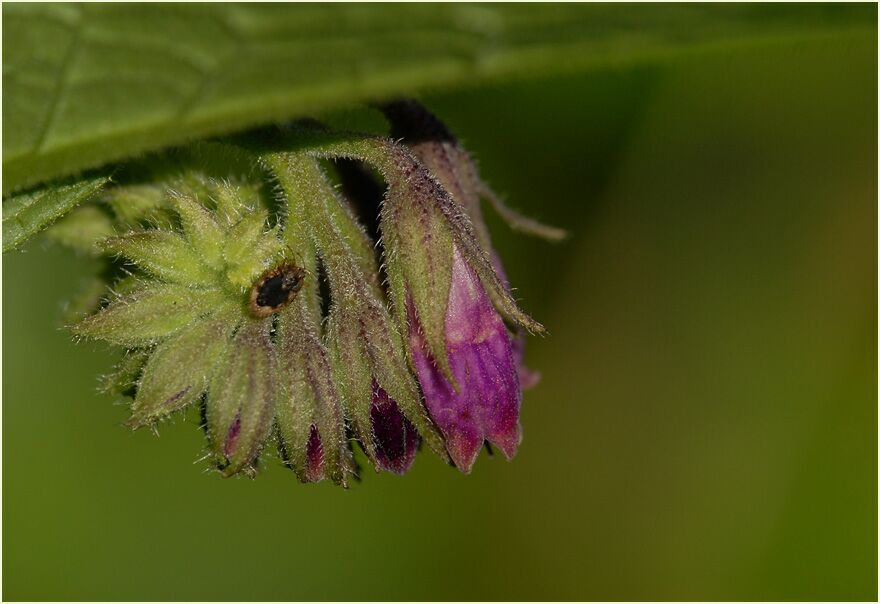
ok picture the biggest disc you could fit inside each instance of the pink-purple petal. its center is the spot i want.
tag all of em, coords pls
(486, 406)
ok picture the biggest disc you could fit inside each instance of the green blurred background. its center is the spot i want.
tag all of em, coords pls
(706, 427)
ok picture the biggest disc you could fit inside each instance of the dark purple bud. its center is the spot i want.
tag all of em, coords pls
(314, 470)
(486, 405)
(397, 440)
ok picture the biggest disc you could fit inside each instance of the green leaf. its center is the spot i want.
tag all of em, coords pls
(89, 84)
(27, 214)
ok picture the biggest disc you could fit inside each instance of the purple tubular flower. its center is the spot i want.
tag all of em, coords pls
(485, 404)
(397, 440)
(474, 394)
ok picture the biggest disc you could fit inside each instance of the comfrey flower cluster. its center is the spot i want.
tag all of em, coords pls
(259, 296)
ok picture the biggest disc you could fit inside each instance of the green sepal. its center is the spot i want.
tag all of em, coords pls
(498, 293)
(201, 229)
(419, 266)
(520, 222)
(295, 238)
(86, 300)
(309, 394)
(413, 183)
(137, 205)
(149, 314)
(453, 166)
(82, 229)
(164, 254)
(242, 393)
(124, 377)
(130, 284)
(250, 248)
(235, 202)
(353, 375)
(179, 369)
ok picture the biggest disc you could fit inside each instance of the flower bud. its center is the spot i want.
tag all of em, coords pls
(309, 410)
(314, 462)
(438, 149)
(485, 404)
(242, 395)
(421, 223)
(396, 439)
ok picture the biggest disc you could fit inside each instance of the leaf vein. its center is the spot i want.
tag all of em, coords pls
(60, 84)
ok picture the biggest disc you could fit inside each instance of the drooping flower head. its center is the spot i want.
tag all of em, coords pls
(224, 313)
(258, 296)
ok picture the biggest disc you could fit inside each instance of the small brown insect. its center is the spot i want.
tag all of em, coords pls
(275, 289)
